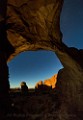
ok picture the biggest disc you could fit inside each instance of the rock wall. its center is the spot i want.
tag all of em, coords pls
(69, 85)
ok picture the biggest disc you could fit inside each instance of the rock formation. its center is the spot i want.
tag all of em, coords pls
(34, 25)
(69, 85)
(39, 83)
(24, 88)
(26, 25)
(51, 81)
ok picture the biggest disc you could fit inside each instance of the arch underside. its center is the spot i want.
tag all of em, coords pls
(33, 26)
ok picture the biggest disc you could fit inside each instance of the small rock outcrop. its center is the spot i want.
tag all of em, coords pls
(24, 88)
(39, 84)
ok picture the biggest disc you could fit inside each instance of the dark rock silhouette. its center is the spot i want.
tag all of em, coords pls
(5, 50)
(69, 86)
(43, 89)
(40, 87)
(39, 83)
(24, 88)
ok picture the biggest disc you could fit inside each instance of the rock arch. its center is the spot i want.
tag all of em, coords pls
(34, 25)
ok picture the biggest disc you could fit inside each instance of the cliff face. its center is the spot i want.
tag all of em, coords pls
(69, 88)
(69, 85)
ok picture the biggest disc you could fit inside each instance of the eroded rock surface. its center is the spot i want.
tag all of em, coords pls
(69, 85)
(51, 81)
(33, 24)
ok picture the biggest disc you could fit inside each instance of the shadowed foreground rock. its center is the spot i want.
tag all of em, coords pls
(35, 25)
(69, 85)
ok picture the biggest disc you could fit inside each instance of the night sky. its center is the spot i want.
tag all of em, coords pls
(40, 65)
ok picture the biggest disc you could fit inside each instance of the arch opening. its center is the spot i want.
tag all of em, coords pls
(33, 66)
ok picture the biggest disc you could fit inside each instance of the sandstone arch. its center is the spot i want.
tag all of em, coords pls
(37, 30)
(34, 25)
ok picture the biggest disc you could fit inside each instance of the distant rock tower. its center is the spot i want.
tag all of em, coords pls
(24, 88)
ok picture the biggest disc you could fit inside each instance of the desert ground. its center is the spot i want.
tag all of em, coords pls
(33, 106)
